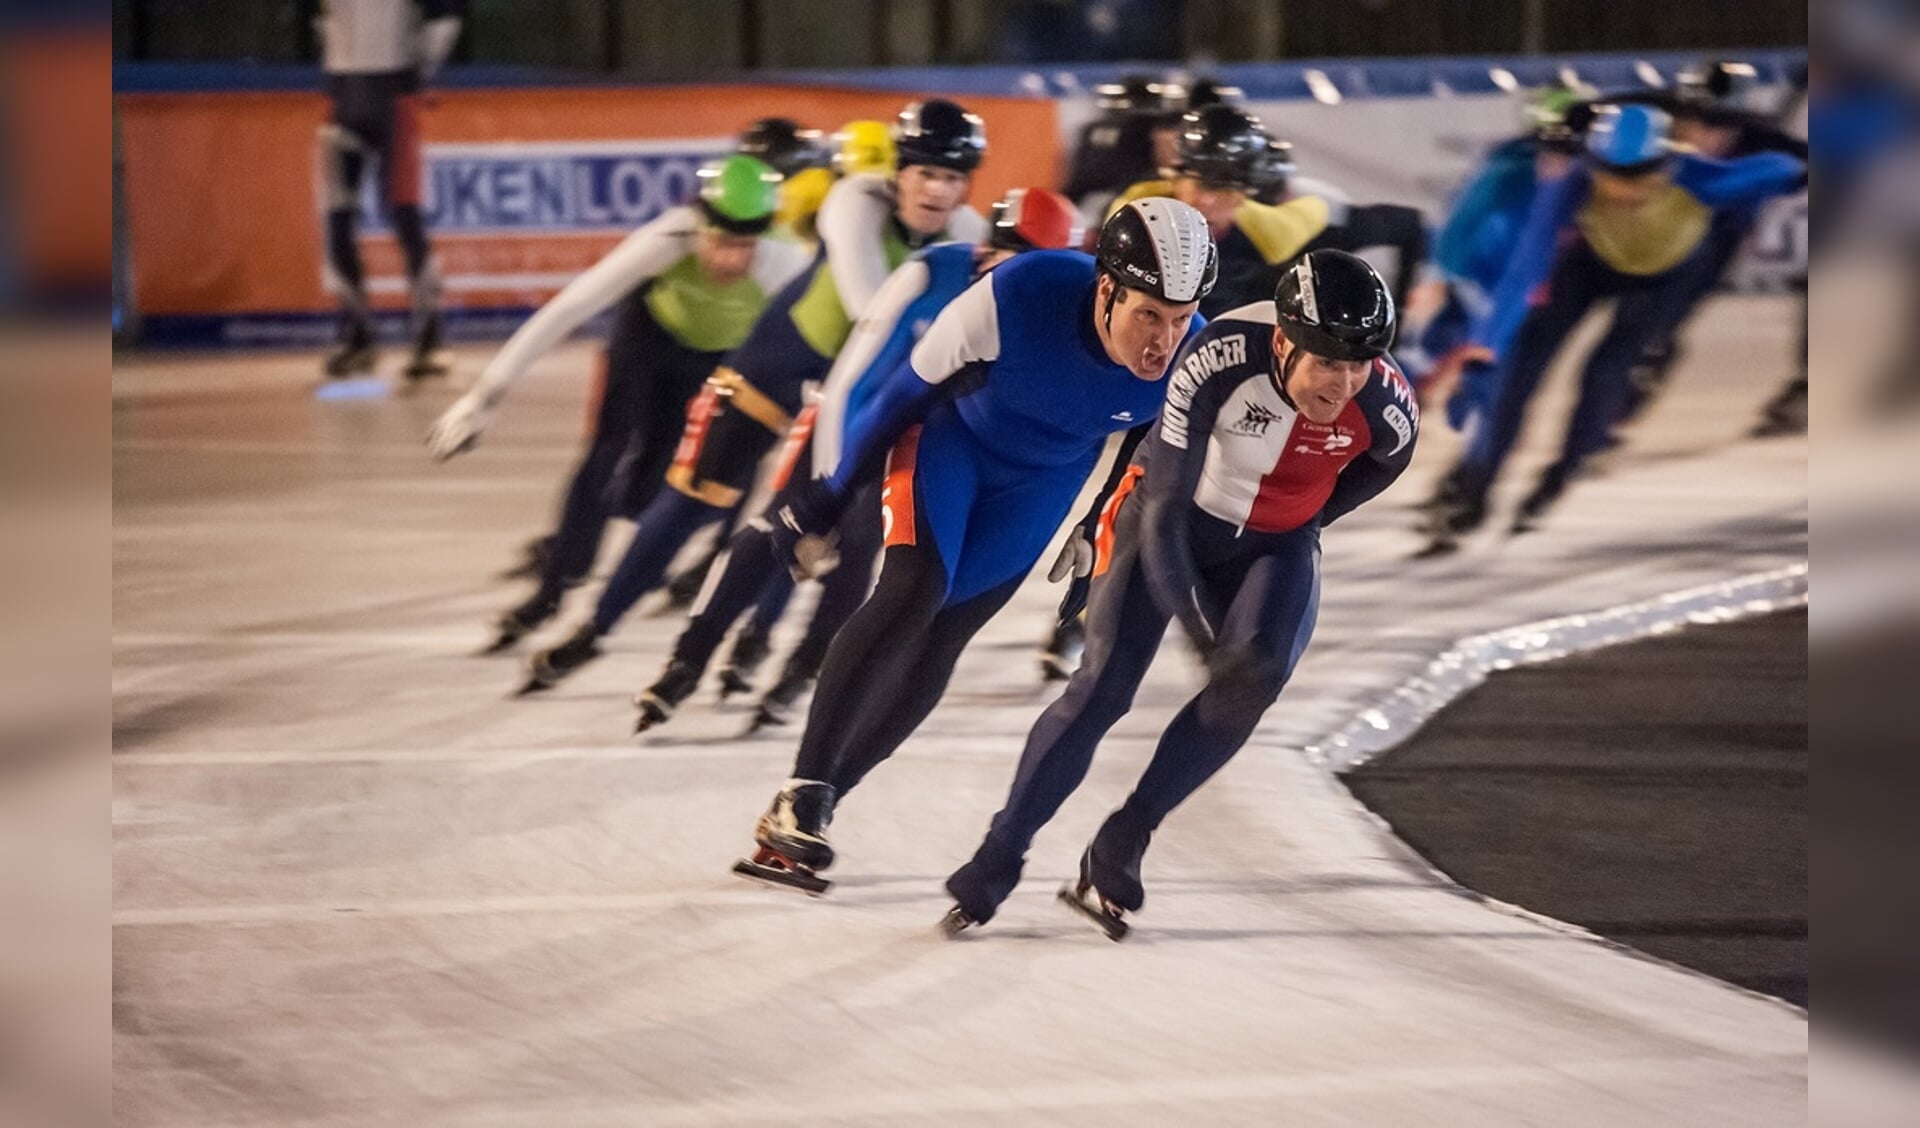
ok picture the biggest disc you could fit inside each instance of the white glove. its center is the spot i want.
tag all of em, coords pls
(459, 429)
(1075, 559)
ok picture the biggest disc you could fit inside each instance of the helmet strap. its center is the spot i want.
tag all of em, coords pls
(1283, 372)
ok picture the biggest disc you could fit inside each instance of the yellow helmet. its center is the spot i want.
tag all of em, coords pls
(863, 146)
(800, 197)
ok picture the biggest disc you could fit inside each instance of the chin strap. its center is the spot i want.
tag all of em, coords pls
(1106, 315)
(1285, 373)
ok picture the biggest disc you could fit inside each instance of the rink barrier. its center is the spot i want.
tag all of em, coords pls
(1468, 663)
(526, 187)
(532, 176)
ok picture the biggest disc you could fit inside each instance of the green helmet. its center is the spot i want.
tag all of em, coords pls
(739, 194)
(1556, 113)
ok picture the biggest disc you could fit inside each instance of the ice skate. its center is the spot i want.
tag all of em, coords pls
(770, 867)
(1447, 523)
(776, 708)
(1107, 912)
(750, 649)
(1552, 484)
(955, 922)
(1785, 414)
(533, 560)
(355, 355)
(1061, 656)
(1087, 901)
(657, 702)
(427, 360)
(517, 623)
(795, 825)
(551, 666)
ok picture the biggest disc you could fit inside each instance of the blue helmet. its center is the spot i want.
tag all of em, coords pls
(1630, 139)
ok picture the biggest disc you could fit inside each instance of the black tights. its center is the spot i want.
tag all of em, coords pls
(889, 666)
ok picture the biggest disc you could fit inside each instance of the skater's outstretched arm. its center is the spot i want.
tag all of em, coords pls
(641, 256)
(1532, 261)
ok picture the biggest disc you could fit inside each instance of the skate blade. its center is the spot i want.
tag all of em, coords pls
(533, 686)
(763, 720)
(1116, 929)
(1439, 546)
(651, 717)
(813, 885)
(956, 922)
(500, 645)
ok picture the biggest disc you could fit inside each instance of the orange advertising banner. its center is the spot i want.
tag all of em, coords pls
(523, 188)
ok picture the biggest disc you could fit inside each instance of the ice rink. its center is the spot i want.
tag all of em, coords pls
(355, 884)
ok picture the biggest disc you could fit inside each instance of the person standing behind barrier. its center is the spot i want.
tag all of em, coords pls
(1631, 222)
(378, 55)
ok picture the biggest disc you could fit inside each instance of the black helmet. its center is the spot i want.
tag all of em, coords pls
(939, 133)
(1221, 145)
(1162, 247)
(1333, 304)
(1722, 83)
(783, 146)
(1136, 93)
(1212, 92)
(1275, 167)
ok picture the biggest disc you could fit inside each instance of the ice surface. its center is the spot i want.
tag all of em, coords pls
(355, 884)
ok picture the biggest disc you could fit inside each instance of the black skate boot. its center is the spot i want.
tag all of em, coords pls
(658, 701)
(792, 839)
(750, 648)
(549, 667)
(955, 922)
(355, 354)
(1785, 414)
(533, 560)
(516, 623)
(985, 881)
(1061, 656)
(1458, 509)
(1552, 484)
(427, 360)
(777, 707)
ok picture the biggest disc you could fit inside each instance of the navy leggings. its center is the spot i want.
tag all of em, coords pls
(1270, 585)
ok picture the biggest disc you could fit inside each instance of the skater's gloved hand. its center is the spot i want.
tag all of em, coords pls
(1076, 556)
(458, 430)
(1462, 376)
(802, 529)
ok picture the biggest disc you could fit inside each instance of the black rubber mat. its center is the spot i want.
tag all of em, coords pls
(1655, 793)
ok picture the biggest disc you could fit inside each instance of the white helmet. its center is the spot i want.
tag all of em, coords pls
(1162, 247)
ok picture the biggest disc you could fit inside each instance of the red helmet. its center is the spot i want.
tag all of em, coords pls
(1035, 219)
